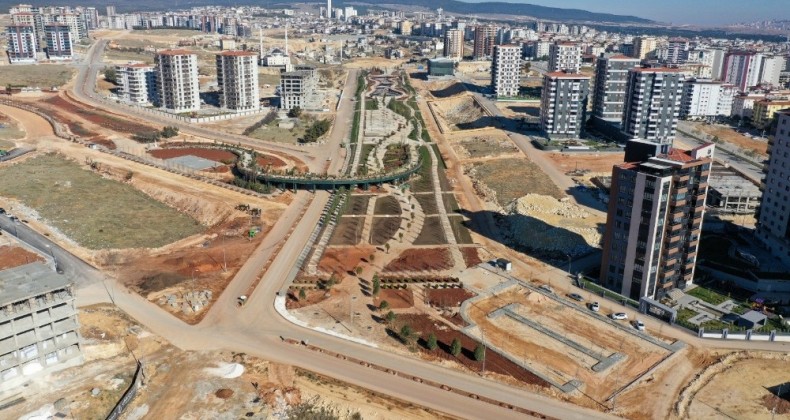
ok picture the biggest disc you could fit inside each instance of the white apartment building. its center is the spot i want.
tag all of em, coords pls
(563, 106)
(773, 227)
(506, 70)
(611, 78)
(742, 69)
(237, 77)
(136, 83)
(565, 56)
(706, 98)
(22, 44)
(177, 81)
(59, 42)
(454, 44)
(771, 68)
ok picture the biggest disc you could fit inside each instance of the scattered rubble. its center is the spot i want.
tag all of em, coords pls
(541, 222)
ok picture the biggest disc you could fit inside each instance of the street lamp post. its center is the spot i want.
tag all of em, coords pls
(569, 264)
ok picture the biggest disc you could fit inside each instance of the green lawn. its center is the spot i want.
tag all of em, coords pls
(708, 295)
(95, 212)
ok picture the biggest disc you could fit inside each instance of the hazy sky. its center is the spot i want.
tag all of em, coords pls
(706, 12)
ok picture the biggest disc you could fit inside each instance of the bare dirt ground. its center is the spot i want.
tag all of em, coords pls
(740, 389)
(486, 145)
(14, 256)
(505, 180)
(419, 259)
(183, 385)
(471, 256)
(342, 260)
(210, 154)
(728, 135)
(556, 359)
(462, 113)
(396, 298)
(216, 253)
(596, 163)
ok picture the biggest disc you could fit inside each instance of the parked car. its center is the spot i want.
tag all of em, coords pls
(639, 325)
(2, 210)
(13, 218)
(576, 297)
(619, 316)
(547, 288)
(595, 307)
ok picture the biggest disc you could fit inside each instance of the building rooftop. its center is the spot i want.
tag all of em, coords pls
(621, 57)
(655, 70)
(238, 53)
(563, 75)
(27, 281)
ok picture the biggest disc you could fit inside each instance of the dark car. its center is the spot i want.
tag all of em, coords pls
(2, 210)
(576, 296)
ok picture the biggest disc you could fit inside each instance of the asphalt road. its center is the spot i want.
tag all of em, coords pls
(256, 328)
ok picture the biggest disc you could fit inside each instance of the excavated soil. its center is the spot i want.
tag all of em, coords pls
(342, 260)
(423, 326)
(420, 259)
(215, 155)
(471, 256)
(447, 298)
(12, 256)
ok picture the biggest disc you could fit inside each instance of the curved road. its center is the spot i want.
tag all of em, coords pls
(313, 156)
(257, 327)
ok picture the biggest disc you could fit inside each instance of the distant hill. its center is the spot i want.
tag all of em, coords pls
(499, 8)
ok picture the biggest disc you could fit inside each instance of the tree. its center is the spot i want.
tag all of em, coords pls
(302, 293)
(109, 74)
(390, 317)
(358, 270)
(295, 112)
(406, 333)
(432, 343)
(384, 305)
(480, 353)
(376, 285)
(387, 247)
(169, 131)
(371, 258)
(455, 347)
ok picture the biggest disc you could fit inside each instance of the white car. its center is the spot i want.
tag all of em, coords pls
(639, 325)
(547, 288)
(595, 307)
(619, 316)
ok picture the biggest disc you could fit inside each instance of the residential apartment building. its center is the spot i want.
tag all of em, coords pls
(177, 81)
(771, 69)
(766, 110)
(506, 70)
(652, 104)
(563, 107)
(296, 89)
(565, 56)
(773, 226)
(611, 78)
(39, 332)
(22, 43)
(59, 42)
(706, 98)
(237, 77)
(485, 39)
(454, 44)
(677, 51)
(742, 69)
(136, 83)
(644, 46)
(654, 221)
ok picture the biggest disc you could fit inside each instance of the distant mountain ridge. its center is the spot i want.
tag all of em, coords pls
(453, 6)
